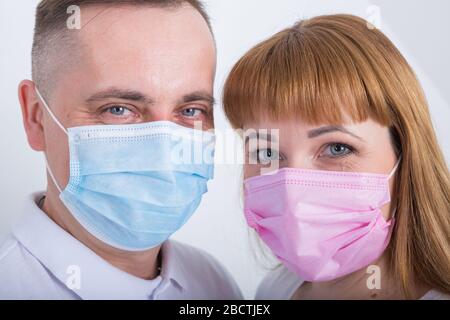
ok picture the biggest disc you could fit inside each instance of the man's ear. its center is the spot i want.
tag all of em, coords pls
(32, 115)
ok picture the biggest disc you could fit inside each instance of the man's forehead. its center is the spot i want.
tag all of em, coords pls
(150, 23)
(144, 47)
(143, 36)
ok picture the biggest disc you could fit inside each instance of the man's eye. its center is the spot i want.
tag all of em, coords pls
(118, 110)
(192, 112)
(338, 149)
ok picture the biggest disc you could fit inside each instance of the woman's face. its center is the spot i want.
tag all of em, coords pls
(353, 147)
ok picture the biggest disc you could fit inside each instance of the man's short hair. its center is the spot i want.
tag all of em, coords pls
(50, 33)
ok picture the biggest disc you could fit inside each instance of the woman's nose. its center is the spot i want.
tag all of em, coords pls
(299, 160)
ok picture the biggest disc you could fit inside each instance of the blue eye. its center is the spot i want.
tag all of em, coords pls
(265, 156)
(339, 149)
(191, 112)
(117, 110)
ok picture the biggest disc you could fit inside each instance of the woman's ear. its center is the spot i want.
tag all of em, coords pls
(32, 115)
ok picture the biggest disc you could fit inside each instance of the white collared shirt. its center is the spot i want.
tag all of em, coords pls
(40, 260)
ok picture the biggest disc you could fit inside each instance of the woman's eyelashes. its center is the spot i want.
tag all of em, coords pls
(264, 156)
(333, 151)
(336, 150)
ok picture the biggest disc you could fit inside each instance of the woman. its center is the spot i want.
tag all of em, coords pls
(360, 205)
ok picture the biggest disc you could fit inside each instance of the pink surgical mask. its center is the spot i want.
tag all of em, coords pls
(321, 224)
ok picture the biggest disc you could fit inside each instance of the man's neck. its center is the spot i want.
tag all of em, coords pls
(142, 264)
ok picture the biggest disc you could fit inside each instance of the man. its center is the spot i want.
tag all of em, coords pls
(104, 99)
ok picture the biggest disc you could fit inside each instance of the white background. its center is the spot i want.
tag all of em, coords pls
(421, 29)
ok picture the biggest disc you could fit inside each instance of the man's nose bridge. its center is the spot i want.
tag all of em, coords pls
(159, 112)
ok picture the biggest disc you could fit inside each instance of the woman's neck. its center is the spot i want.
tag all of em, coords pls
(362, 284)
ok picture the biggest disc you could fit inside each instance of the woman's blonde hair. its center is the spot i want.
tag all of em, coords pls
(328, 67)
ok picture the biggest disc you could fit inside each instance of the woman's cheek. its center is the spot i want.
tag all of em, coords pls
(251, 170)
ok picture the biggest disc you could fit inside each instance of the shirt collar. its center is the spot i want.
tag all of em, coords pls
(172, 267)
(61, 254)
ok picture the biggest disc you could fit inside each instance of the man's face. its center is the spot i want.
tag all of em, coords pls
(139, 64)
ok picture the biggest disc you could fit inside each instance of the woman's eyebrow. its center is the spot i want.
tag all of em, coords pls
(328, 129)
(259, 135)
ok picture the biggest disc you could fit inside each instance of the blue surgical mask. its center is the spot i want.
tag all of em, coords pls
(132, 186)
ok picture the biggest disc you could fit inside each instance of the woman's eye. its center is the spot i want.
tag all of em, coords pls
(337, 150)
(265, 156)
(118, 110)
(192, 112)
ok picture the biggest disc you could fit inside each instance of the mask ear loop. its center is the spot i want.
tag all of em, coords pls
(394, 170)
(59, 125)
(50, 111)
(51, 175)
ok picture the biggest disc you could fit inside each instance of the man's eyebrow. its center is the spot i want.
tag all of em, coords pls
(198, 96)
(116, 93)
(135, 95)
(328, 129)
(259, 135)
